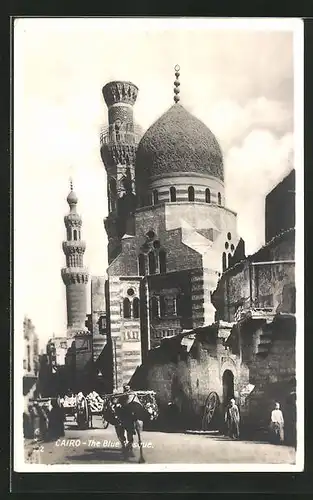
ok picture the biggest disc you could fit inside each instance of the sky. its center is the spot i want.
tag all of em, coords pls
(237, 80)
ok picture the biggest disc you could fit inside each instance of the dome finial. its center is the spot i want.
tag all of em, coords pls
(71, 183)
(177, 84)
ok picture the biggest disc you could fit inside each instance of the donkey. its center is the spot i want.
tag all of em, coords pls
(127, 416)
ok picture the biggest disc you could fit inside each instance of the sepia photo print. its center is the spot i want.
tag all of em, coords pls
(158, 242)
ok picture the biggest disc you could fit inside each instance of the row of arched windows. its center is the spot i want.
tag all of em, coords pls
(191, 195)
(73, 234)
(131, 309)
(153, 259)
(163, 306)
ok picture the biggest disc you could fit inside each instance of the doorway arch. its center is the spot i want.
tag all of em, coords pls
(228, 386)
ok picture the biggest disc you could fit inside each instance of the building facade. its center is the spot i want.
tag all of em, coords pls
(248, 352)
(56, 351)
(31, 354)
(170, 232)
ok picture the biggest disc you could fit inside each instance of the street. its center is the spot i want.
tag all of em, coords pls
(100, 445)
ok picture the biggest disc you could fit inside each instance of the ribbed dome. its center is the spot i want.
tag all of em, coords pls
(179, 142)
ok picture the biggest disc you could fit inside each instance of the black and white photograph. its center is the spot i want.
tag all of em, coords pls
(158, 245)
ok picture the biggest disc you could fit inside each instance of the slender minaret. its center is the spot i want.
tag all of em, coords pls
(118, 150)
(74, 275)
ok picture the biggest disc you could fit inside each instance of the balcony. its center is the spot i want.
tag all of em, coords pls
(109, 136)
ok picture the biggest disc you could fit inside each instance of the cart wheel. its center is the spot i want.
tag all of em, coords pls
(210, 408)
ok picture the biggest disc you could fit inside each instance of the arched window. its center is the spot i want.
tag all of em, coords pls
(68, 234)
(126, 308)
(162, 261)
(207, 196)
(113, 186)
(154, 307)
(219, 198)
(155, 197)
(152, 263)
(191, 193)
(117, 132)
(136, 308)
(173, 193)
(224, 261)
(75, 234)
(229, 259)
(142, 264)
(162, 306)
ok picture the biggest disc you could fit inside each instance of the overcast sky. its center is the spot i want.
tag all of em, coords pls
(239, 82)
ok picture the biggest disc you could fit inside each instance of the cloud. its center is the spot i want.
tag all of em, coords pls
(232, 122)
(252, 170)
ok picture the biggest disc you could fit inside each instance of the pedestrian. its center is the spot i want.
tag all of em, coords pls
(35, 420)
(56, 421)
(232, 418)
(43, 422)
(277, 425)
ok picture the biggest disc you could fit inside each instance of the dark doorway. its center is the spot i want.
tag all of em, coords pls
(228, 386)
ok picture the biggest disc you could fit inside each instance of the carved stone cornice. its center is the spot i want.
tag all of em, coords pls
(72, 220)
(119, 91)
(72, 275)
(124, 154)
(72, 247)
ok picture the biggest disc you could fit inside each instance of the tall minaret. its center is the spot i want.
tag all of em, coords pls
(118, 150)
(74, 275)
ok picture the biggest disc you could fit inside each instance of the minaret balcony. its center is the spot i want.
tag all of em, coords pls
(73, 275)
(109, 136)
(70, 247)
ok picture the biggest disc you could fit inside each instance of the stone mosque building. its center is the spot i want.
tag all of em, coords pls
(183, 311)
(170, 232)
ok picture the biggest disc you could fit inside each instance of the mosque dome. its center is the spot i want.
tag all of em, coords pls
(179, 142)
(72, 198)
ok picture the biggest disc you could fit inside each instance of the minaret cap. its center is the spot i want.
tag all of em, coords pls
(177, 84)
(72, 197)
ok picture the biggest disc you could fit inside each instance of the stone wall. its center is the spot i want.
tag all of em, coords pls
(259, 281)
(187, 379)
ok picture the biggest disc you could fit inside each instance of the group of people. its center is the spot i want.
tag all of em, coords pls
(44, 422)
(276, 427)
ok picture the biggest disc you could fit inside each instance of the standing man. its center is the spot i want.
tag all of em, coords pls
(233, 419)
(277, 425)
